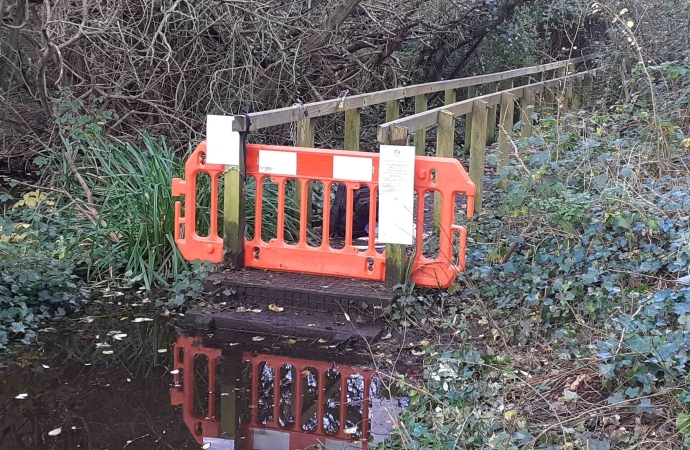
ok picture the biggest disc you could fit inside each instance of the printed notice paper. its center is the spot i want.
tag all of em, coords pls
(396, 194)
(222, 144)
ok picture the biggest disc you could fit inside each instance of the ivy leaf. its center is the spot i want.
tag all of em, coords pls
(683, 423)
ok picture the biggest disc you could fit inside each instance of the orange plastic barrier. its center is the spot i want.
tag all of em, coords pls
(294, 432)
(443, 175)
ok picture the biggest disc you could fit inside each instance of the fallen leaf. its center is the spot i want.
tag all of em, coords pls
(55, 432)
(21, 396)
(351, 430)
(162, 350)
(257, 338)
(347, 317)
(174, 372)
(241, 309)
(256, 311)
(45, 366)
(424, 343)
(311, 325)
(119, 336)
(322, 341)
(232, 344)
(509, 415)
(206, 446)
(275, 308)
(107, 352)
(418, 353)
(388, 336)
(102, 344)
(124, 318)
(142, 319)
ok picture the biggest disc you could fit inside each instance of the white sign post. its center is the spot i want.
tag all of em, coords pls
(222, 144)
(396, 194)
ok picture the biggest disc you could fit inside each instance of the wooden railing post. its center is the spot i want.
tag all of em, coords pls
(477, 150)
(233, 212)
(449, 96)
(471, 93)
(569, 85)
(420, 104)
(396, 256)
(491, 118)
(504, 131)
(560, 93)
(445, 137)
(587, 89)
(577, 93)
(352, 129)
(305, 138)
(526, 111)
(549, 97)
(392, 110)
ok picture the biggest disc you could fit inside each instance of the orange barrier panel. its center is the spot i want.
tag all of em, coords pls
(290, 423)
(443, 175)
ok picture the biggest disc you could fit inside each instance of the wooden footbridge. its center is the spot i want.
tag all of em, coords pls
(275, 270)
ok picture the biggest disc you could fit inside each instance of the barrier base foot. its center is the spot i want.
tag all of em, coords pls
(362, 301)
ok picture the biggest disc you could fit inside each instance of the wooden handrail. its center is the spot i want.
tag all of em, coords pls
(295, 113)
(429, 118)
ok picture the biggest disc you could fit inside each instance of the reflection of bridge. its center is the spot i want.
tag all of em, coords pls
(228, 399)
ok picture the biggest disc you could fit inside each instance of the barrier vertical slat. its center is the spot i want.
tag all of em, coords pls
(343, 405)
(320, 397)
(211, 387)
(373, 205)
(366, 398)
(213, 226)
(303, 213)
(445, 138)
(325, 237)
(255, 393)
(281, 210)
(421, 193)
(348, 215)
(471, 93)
(258, 207)
(298, 401)
(492, 88)
(276, 394)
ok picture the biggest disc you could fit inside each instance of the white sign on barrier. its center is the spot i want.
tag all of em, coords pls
(279, 163)
(352, 168)
(222, 144)
(396, 194)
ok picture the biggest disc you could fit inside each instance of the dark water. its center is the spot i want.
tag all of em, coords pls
(144, 384)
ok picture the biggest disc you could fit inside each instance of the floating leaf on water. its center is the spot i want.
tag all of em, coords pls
(175, 372)
(107, 352)
(55, 432)
(275, 308)
(257, 338)
(21, 396)
(162, 350)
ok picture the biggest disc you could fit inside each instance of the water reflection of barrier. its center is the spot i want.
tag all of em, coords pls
(444, 176)
(182, 391)
(294, 403)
